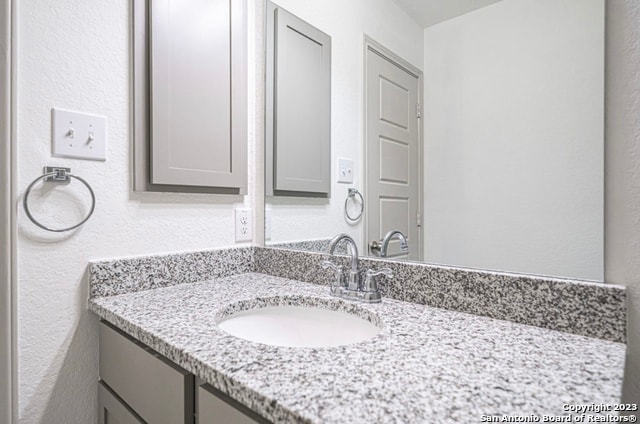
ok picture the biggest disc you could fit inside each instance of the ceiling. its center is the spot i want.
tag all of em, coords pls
(430, 12)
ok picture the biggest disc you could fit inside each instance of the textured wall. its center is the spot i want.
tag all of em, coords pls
(74, 54)
(345, 22)
(622, 169)
(514, 138)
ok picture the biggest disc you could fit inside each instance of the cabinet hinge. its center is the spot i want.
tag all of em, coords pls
(419, 219)
(418, 111)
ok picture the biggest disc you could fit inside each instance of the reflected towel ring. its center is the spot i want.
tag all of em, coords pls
(61, 176)
(353, 192)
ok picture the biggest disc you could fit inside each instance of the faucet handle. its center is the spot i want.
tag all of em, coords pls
(382, 271)
(371, 294)
(331, 265)
(370, 284)
(336, 288)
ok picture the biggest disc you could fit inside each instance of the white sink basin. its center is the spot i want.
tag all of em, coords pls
(298, 326)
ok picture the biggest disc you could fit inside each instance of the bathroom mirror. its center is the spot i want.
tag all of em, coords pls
(509, 116)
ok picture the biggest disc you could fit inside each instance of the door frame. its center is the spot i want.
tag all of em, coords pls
(382, 51)
(8, 370)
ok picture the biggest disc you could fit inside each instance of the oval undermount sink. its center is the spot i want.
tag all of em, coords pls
(298, 326)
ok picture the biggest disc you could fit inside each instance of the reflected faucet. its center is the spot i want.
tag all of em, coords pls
(381, 247)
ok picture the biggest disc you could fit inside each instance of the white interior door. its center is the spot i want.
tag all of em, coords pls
(393, 149)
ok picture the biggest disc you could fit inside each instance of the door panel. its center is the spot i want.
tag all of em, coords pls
(395, 157)
(392, 153)
(394, 215)
(394, 104)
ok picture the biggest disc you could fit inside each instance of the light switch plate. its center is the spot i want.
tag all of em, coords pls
(345, 170)
(243, 225)
(78, 135)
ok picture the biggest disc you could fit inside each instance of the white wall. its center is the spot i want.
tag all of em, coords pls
(622, 200)
(514, 118)
(74, 54)
(345, 22)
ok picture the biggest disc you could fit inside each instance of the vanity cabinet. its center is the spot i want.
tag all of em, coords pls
(113, 410)
(190, 96)
(156, 389)
(138, 385)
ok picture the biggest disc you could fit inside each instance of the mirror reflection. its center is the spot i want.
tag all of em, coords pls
(462, 133)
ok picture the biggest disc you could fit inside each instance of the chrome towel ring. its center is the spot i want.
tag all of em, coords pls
(60, 176)
(352, 193)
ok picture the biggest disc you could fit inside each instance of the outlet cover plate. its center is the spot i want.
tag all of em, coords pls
(243, 225)
(78, 135)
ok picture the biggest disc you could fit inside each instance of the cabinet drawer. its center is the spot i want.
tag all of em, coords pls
(214, 407)
(157, 390)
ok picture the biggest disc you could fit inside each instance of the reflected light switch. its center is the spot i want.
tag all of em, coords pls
(345, 170)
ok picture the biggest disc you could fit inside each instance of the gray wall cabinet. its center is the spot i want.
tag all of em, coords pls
(138, 385)
(298, 109)
(190, 96)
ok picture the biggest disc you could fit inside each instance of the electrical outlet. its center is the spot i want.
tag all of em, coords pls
(243, 225)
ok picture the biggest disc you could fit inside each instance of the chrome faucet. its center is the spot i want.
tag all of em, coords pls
(354, 289)
(382, 246)
(352, 281)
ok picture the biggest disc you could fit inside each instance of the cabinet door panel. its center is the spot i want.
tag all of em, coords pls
(299, 106)
(214, 407)
(156, 389)
(191, 93)
(190, 82)
(112, 410)
(190, 96)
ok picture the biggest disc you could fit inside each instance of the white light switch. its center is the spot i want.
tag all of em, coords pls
(345, 170)
(78, 135)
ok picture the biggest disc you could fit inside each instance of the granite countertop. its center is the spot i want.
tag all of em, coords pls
(428, 365)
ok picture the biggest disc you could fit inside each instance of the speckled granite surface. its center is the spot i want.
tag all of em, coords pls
(118, 276)
(429, 365)
(319, 245)
(585, 308)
